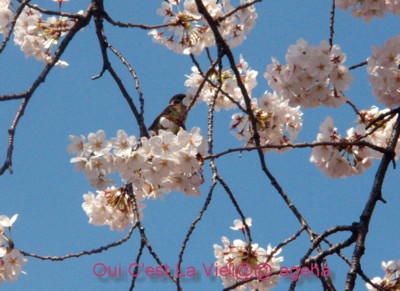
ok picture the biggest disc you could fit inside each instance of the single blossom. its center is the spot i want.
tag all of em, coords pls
(11, 260)
(5, 221)
(238, 224)
(13, 263)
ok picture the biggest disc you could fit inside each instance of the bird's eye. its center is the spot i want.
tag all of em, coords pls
(178, 101)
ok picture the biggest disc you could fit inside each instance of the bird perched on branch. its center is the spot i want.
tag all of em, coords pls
(173, 117)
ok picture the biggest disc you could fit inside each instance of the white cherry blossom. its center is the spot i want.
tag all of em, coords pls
(188, 31)
(337, 161)
(154, 166)
(11, 259)
(383, 66)
(391, 279)
(6, 15)
(230, 93)
(368, 9)
(313, 76)
(238, 252)
(278, 123)
(37, 36)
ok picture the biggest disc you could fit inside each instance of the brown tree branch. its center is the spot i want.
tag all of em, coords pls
(91, 252)
(142, 126)
(134, 25)
(51, 12)
(286, 242)
(82, 22)
(366, 216)
(332, 24)
(135, 272)
(224, 49)
(298, 145)
(240, 7)
(144, 239)
(358, 65)
(98, 13)
(192, 228)
(203, 82)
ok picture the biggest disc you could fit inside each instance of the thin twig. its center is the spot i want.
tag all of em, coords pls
(143, 236)
(298, 145)
(192, 228)
(51, 12)
(203, 82)
(142, 126)
(98, 18)
(91, 252)
(137, 261)
(358, 65)
(332, 24)
(237, 206)
(240, 7)
(286, 242)
(354, 107)
(382, 116)
(135, 25)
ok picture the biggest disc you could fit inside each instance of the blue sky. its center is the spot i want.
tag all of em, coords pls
(47, 192)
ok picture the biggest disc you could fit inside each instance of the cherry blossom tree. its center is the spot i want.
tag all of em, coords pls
(130, 169)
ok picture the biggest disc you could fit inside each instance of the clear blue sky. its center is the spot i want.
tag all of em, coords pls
(47, 192)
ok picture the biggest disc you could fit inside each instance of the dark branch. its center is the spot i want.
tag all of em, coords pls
(358, 65)
(82, 22)
(92, 252)
(366, 216)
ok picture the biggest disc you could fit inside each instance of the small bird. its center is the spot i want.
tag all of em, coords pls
(175, 113)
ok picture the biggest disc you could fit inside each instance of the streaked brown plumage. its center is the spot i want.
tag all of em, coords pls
(174, 112)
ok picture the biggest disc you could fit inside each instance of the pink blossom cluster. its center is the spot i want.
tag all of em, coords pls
(346, 160)
(157, 165)
(188, 31)
(380, 132)
(37, 36)
(112, 207)
(5, 15)
(313, 76)
(367, 9)
(241, 253)
(11, 260)
(384, 68)
(229, 93)
(341, 160)
(391, 280)
(278, 123)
